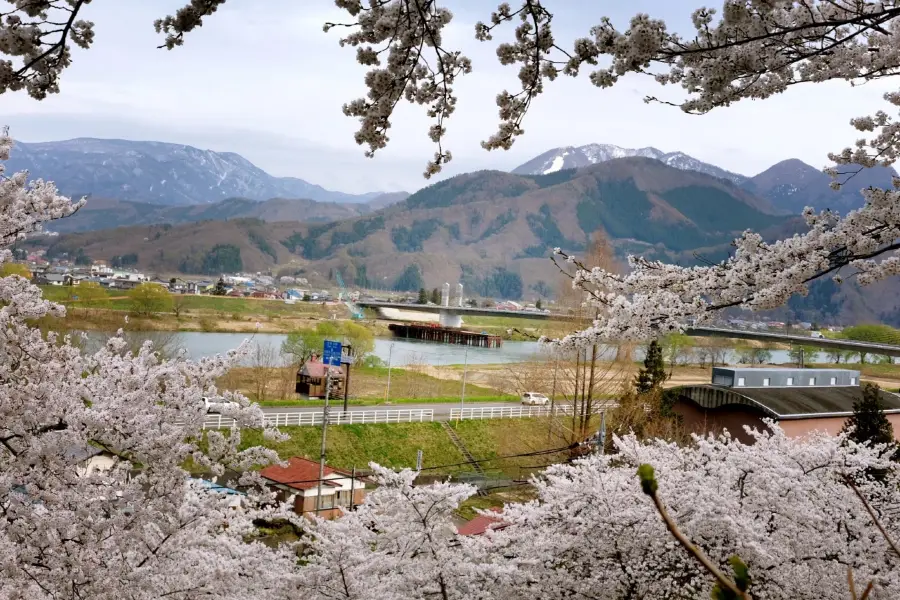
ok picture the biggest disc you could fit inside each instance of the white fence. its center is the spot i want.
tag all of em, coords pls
(506, 412)
(350, 417)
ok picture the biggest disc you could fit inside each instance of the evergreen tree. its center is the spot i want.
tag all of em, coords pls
(436, 296)
(870, 425)
(423, 296)
(652, 376)
(220, 288)
(538, 305)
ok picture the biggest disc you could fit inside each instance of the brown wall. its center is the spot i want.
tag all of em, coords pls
(831, 425)
(697, 419)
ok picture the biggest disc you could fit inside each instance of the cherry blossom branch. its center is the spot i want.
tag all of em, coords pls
(650, 487)
(872, 514)
(852, 587)
(42, 62)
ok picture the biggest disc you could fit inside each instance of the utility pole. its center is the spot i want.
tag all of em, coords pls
(552, 400)
(324, 429)
(352, 485)
(347, 376)
(462, 396)
(387, 394)
(601, 433)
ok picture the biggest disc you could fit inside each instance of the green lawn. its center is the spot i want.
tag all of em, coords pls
(392, 445)
(193, 303)
(395, 444)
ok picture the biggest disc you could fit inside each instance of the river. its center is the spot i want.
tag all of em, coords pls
(404, 352)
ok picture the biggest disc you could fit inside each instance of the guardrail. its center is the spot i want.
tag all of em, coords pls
(514, 412)
(350, 417)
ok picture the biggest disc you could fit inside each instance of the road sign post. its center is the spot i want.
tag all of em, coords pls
(331, 357)
(332, 353)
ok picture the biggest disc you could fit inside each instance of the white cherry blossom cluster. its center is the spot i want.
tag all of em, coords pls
(794, 510)
(140, 529)
(36, 33)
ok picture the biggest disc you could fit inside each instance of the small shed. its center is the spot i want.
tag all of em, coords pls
(311, 379)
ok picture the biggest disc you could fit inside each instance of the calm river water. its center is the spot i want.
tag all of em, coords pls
(401, 352)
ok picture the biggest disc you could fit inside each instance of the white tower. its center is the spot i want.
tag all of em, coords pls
(445, 295)
(459, 294)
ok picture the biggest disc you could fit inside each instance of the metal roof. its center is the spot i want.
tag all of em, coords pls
(788, 403)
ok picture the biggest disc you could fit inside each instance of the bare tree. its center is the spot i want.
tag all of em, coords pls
(411, 383)
(286, 374)
(263, 368)
(179, 304)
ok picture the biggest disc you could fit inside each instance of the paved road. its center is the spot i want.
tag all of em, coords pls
(440, 410)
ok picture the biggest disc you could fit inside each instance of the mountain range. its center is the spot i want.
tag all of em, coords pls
(491, 230)
(106, 213)
(159, 173)
(789, 185)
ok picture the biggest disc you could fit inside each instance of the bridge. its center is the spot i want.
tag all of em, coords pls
(451, 316)
(800, 340)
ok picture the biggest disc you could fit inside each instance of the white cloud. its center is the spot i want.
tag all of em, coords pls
(270, 85)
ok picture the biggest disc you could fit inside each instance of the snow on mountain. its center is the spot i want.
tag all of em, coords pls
(571, 157)
(159, 173)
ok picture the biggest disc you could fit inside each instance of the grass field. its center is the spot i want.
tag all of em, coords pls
(368, 385)
(395, 445)
(392, 445)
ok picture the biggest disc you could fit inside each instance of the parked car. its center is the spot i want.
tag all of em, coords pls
(533, 398)
(214, 405)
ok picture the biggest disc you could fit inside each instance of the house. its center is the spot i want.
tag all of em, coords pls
(311, 379)
(100, 269)
(298, 483)
(53, 279)
(800, 401)
(508, 305)
(481, 523)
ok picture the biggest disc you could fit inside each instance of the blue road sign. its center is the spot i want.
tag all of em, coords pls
(332, 354)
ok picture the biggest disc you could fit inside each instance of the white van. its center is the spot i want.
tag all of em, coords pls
(817, 334)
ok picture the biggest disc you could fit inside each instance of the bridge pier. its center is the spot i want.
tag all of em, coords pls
(450, 318)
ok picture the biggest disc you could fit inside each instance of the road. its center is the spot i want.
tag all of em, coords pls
(440, 410)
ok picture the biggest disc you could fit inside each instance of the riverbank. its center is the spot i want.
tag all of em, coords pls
(225, 314)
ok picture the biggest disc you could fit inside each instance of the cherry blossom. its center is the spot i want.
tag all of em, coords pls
(794, 510)
(139, 528)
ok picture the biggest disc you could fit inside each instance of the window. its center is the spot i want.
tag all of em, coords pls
(327, 501)
(765, 381)
(790, 381)
(740, 381)
(833, 381)
(853, 381)
(812, 381)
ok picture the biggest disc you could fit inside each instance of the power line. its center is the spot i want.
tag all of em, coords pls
(482, 460)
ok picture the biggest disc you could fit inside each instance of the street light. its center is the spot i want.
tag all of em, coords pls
(462, 395)
(387, 395)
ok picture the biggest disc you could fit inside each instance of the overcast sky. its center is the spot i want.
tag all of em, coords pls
(269, 85)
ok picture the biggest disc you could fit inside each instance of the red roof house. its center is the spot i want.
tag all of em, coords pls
(299, 480)
(482, 523)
